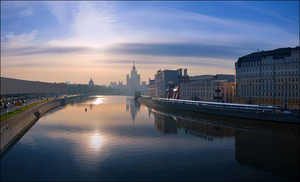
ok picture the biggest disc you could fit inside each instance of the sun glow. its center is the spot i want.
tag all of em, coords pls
(96, 141)
(98, 101)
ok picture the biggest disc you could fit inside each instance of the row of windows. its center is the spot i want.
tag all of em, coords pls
(269, 86)
(205, 94)
(271, 68)
(206, 88)
(255, 63)
(293, 101)
(294, 79)
(267, 94)
(270, 73)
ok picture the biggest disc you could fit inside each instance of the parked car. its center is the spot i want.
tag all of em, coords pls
(42, 98)
(13, 102)
(24, 101)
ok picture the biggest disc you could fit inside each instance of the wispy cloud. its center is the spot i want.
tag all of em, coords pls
(18, 40)
(270, 13)
(177, 50)
(27, 12)
(62, 10)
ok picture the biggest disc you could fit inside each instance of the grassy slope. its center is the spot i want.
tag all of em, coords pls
(14, 112)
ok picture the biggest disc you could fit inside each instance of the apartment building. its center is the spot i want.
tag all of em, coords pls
(269, 78)
(208, 88)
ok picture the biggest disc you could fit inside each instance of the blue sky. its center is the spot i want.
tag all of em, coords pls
(75, 41)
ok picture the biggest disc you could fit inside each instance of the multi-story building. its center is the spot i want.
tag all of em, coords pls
(269, 78)
(133, 82)
(151, 90)
(162, 78)
(209, 88)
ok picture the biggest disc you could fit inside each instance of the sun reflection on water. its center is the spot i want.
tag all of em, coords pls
(98, 101)
(96, 141)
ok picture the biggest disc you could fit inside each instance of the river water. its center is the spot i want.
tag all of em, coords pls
(119, 139)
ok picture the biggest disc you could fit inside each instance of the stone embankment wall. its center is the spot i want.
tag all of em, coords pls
(274, 117)
(16, 126)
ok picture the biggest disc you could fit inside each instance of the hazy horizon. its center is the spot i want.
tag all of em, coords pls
(75, 41)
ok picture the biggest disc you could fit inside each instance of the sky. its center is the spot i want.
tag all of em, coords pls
(75, 41)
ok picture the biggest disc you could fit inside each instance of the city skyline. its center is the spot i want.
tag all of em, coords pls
(75, 41)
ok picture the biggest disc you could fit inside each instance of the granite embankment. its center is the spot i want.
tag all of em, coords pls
(228, 112)
(16, 126)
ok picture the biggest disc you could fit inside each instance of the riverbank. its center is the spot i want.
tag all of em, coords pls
(16, 126)
(219, 111)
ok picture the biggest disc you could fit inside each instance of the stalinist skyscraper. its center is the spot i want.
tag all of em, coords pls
(133, 82)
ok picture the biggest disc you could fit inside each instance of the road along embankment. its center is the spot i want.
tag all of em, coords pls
(13, 128)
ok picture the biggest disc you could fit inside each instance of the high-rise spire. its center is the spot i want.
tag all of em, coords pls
(133, 67)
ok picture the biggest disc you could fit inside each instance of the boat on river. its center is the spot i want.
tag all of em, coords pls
(247, 111)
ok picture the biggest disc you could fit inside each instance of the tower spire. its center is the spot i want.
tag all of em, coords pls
(133, 63)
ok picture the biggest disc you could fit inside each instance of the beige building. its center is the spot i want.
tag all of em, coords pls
(209, 89)
(269, 78)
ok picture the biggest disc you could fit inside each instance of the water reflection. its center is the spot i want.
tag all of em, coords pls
(134, 108)
(96, 141)
(274, 150)
(102, 144)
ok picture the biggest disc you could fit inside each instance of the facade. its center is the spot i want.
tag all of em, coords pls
(162, 78)
(91, 82)
(211, 90)
(151, 90)
(133, 82)
(269, 78)
(15, 86)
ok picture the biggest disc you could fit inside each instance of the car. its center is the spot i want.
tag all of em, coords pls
(42, 98)
(20, 101)
(24, 101)
(1, 103)
(13, 102)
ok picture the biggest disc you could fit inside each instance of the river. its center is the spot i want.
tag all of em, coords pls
(120, 139)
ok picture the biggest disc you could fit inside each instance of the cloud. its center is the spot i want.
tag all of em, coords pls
(43, 49)
(177, 50)
(18, 40)
(27, 12)
(62, 10)
(272, 13)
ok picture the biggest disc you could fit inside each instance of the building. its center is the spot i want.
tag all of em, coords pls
(269, 78)
(209, 88)
(151, 89)
(162, 78)
(11, 86)
(91, 82)
(133, 82)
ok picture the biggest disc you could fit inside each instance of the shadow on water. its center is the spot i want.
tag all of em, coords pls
(261, 145)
